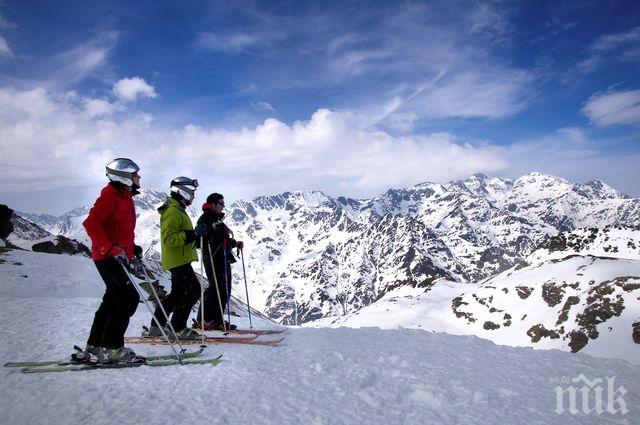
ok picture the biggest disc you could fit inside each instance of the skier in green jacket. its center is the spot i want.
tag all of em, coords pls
(178, 251)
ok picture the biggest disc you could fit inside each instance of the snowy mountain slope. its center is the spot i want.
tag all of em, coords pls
(314, 256)
(579, 292)
(332, 376)
(310, 256)
(28, 235)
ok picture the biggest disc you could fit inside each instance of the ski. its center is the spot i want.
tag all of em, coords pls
(256, 331)
(246, 341)
(69, 363)
(199, 340)
(155, 363)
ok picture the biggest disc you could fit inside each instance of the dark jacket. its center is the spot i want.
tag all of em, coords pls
(111, 221)
(215, 234)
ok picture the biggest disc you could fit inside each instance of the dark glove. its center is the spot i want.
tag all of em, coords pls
(239, 244)
(189, 237)
(137, 252)
(136, 266)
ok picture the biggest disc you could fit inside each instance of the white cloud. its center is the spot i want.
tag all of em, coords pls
(99, 107)
(326, 152)
(612, 108)
(330, 152)
(129, 89)
(4, 48)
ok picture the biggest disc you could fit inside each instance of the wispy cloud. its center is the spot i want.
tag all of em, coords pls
(234, 42)
(621, 45)
(4, 48)
(605, 109)
(262, 106)
(391, 50)
(130, 89)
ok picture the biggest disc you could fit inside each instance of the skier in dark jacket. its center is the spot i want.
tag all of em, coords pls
(110, 225)
(217, 259)
(178, 251)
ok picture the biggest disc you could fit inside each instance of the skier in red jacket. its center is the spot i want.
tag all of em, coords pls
(110, 225)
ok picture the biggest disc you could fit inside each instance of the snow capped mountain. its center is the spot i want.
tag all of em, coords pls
(580, 291)
(310, 256)
(30, 236)
(313, 256)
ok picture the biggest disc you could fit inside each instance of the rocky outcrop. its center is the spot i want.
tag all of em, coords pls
(62, 245)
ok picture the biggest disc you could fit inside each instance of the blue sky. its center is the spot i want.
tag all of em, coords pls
(348, 97)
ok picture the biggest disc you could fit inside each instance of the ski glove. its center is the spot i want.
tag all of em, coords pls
(137, 252)
(112, 251)
(136, 266)
(189, 237)
(239, 244)
(201, 230)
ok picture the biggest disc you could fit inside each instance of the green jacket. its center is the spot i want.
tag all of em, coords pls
(173, 223)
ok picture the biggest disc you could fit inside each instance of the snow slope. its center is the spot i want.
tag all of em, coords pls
(316, 376)
(580, 291)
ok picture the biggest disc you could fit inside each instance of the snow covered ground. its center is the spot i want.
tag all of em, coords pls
(316, 376)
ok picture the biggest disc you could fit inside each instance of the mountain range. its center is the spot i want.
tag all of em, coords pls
(310, 256)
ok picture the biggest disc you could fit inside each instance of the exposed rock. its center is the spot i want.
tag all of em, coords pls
(489, 325)
(538, 331)
(552, 293)
(600, 308)
(564, 314)
(456, 304)
(6, 226)
(524, 291)
(577, 341)
(62, 245)
(635, 332)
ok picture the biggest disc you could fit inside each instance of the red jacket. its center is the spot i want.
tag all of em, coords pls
(111, 221)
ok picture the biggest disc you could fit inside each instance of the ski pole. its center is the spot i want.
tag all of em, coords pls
(215, 280)
(246, 288)
(146, 302)
(164, 312)
(202, 287)
(227, 283)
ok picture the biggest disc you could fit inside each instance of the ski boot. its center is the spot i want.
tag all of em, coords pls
(120, 355)
(186, 334)
(152, 331)
(208, 326)
(91, 354)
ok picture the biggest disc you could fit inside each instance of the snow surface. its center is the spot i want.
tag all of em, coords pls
(316, 376)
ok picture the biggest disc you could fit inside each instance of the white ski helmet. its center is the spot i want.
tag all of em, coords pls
(122, 170)
(185, 187)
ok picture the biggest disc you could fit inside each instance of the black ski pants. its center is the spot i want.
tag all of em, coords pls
(119, 302)
(185, 292)
(212, 311)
